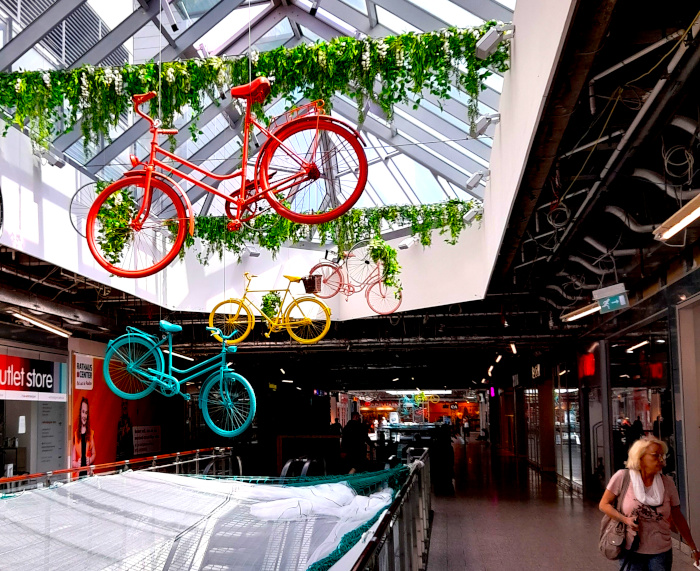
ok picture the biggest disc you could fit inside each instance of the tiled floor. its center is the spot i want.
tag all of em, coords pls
(504, 517)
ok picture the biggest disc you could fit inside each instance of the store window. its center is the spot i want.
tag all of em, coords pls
(567, 426)
(641, 391)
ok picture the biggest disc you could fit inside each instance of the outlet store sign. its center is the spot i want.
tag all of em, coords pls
(32, 379)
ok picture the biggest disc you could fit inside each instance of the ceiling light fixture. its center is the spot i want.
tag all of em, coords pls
(483, 123)
(282, 371)
(253, 252)
(581, 312)
(488, 43)
(394, 380)
(490, 370)
(637, 346)
(474, 180)
(298, 388)
(55, 329)
(512, 348)
(563, 372)
(287, 381)
(408, 242)
(178, 355)
(685, 216)
(483, 381)
(661, 340)
(498, 358)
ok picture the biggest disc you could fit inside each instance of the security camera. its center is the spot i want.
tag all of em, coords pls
(488, 44)
(475, 179)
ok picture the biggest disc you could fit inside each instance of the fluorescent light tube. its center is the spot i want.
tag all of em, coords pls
(581, 312)
(287, 381)
(637, 346)
(685, 216)
(563, 372)
(282, 371)
(490, 370)
(55, 329)
(178, 355)
(512, 348)
(498, 358)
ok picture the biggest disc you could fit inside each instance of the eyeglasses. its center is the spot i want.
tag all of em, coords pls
(658, 456)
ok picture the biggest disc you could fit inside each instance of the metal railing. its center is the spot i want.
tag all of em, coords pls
(204, 461)
(401, 540)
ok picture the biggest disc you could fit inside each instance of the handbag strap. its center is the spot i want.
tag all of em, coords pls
(623, 491)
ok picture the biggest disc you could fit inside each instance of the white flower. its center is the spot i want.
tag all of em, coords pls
(254, 56)
(84, 91)
(322, 58)
(118, 199)
(47, 79)
(170, 75)
(366, 56)
(18, 85)
(382, 48)
(399, 56)
(221, 77)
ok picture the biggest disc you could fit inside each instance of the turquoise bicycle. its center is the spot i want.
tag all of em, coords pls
(135, 366)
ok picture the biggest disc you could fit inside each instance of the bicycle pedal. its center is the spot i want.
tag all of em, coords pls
(267, 334)
(187, 397)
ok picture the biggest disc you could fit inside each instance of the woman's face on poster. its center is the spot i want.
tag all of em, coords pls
(83, 413)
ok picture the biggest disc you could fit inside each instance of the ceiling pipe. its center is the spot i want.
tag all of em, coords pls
(687, 124)
(670, 189)
(592, 144)
(578, 282)
(555, 305)
(590, 267)
(565, 295)
(603, 250)
(628, 221)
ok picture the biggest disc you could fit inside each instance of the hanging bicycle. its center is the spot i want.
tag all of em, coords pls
(307, 319)
(311, 169)
(134, 367)
(356, 273)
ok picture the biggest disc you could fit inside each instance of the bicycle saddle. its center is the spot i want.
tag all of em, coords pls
(170, 327)
(257, 90)
(293, 278)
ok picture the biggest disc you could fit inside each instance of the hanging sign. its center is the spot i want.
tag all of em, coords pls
(611, 298)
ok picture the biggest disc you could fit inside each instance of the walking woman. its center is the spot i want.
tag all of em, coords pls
(648, 508)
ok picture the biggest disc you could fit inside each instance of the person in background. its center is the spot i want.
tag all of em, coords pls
(638, 428)
(125, 439)
(649, 507)
(84, 453)
(336, 427)
(657, 426)
(354, 443)
(467, 428)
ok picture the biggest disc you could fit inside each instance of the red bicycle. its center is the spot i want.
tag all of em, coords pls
(356, 273)
(311, 169)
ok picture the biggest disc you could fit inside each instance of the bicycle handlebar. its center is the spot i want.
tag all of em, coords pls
(217, 331)
(168, 131)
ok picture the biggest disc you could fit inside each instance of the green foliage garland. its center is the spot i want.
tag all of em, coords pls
(270, 303)
(389, 70)
(382, 253)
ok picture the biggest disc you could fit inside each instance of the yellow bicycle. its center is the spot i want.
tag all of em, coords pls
(307, 319)
(421, 397)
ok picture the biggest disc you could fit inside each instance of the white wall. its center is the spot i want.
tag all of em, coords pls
(540, 27)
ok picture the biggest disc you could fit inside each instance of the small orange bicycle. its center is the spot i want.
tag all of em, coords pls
(356, 273)
(311, 169)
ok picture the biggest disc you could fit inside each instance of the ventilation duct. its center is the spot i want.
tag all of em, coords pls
(603, 250)
(628, 221)
(686, 124)
(565, 295)
(670, 189)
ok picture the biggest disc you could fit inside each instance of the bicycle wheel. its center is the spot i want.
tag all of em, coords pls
(126, 380)
(359, 263)
(308, 320)
(383, 299)
(337, 179)
(228, 403)
(80, 204)
(229, 315)
(331, 279)
(124, 251)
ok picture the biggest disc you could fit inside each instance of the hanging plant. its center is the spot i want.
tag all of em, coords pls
(384, 255)
(395, 69)
(270, 304)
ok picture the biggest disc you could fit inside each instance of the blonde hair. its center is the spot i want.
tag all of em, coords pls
(639, 449)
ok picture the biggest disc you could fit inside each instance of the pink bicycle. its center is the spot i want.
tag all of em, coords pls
(356, 273)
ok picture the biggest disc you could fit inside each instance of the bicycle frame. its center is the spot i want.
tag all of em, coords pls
(277, 323)
(239, 199)
(348, 288)
(209, 364)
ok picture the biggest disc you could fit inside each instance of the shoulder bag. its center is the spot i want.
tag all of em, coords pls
(612, 532)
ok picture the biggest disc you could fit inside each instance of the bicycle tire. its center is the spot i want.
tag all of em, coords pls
(126, 349)
(138, 255)
(316, 316)
(383, 299)
(331, 279)
(344, 166)
(79, 208)
(238, 316)
(359, 263)
(228, 403)
(2, 214)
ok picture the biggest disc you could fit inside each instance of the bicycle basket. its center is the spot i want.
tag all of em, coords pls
(308, 110)
(312, 284)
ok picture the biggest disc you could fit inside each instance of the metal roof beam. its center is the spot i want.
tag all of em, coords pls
(353, 17)
(183, 43)
(32, 34)
(409, 12)
(259, 26)
(408, 148)
(372, 13)
(486, 9)
(133, 23)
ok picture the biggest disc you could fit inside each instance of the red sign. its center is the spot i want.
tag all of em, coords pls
(31, 379)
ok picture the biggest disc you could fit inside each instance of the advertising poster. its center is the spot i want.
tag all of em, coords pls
(52, 445)
(30, 379)
(103, 423)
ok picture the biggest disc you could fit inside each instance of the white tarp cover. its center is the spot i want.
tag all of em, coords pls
(148, 521)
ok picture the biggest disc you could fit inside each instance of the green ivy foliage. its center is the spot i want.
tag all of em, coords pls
(270, 304)
(382, 253)
(394, 69)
